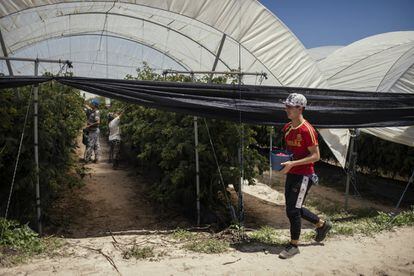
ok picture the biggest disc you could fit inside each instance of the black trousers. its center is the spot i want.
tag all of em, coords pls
(296, 189)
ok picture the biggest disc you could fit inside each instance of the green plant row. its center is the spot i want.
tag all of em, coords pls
(60, 119)
(162, 144)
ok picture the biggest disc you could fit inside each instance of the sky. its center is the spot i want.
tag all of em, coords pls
(341, 22)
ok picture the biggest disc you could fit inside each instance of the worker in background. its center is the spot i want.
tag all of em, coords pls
(115, 140)
(92, 129)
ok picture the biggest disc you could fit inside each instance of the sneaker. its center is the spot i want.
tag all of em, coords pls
(289, 252)
(321, 232)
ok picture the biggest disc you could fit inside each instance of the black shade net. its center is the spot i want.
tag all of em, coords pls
(253, 104)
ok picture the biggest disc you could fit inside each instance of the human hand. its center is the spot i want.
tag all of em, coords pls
(287, 166)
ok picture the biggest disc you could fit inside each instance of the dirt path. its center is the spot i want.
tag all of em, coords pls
(389, 253)
(110, 201)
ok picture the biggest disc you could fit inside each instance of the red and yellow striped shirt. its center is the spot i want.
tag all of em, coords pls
(298, 140)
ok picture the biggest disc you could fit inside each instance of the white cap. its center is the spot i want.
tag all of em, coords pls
(296, 99)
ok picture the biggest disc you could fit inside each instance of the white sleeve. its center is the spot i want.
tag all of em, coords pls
(97, 115)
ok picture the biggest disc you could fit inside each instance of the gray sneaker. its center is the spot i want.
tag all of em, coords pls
(321, 232)
(289, 252)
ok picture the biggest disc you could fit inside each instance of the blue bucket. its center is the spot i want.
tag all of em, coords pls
(279, 156)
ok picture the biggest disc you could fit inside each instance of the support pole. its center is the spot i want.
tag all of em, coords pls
(223, 38)
(241, 200)
(67, 62)
(36, 148)
(350, 175)
(9, 67)
(197, 164)
(197, 169)
(405, 190)
(238, 73)
(348, 179)
(270, 156)
(4, 49)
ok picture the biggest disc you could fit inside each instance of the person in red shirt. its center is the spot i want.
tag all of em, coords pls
(301, 139)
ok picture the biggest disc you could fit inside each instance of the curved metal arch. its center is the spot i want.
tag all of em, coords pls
(185, 66)
(392, 67)
(80, 62)
(183, 15)
(151, 22)
(402, 75)
(362, 59)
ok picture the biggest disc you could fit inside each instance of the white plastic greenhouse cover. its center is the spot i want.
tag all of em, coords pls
(189, 31)
(92, 57)
(383, 63)
(320, 53)
(186, 32)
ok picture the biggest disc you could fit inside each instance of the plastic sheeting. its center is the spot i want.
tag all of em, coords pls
(371, 64)
(190, 31)
(381, 63)
(248, 103)
(320, 53)
(92, 56)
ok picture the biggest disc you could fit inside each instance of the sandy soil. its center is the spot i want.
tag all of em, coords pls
(389, 253)
(110, 201)
(114, 201)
